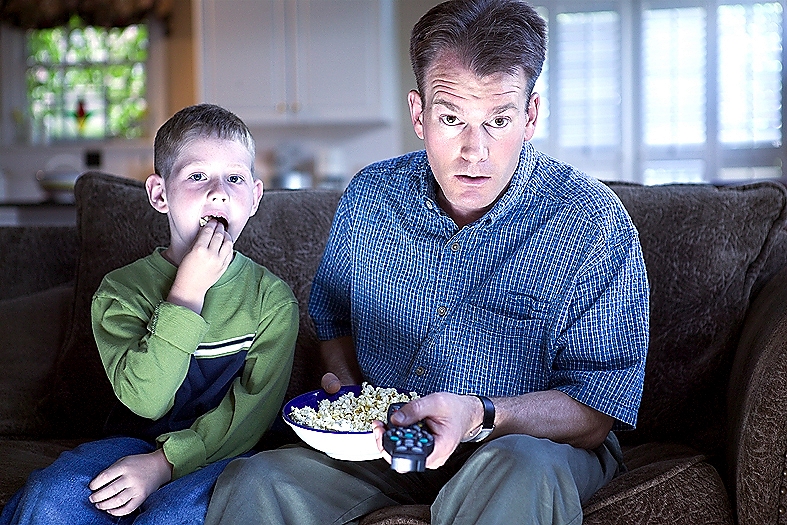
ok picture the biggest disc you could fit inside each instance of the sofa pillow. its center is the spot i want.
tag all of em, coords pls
(117, 225)
(28, 356)
(704, 247)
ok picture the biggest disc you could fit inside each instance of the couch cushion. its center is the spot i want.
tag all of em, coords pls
(28, 356)
(42, 257)
(704, 247)
(665, 484)
(117, 225)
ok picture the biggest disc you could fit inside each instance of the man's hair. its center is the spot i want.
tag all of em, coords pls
(194, 122)
(487, 36)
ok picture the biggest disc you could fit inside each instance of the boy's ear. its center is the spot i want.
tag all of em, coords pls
(258, 190)
(157, 193)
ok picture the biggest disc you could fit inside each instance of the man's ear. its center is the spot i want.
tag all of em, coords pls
(157, 193)
(532, 115)
(258, 190)
(416, 113)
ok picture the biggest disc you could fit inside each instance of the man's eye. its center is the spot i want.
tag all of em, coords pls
(450, 120)
(499, 122)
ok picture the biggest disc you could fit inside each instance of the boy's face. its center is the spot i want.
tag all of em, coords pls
(211, 178)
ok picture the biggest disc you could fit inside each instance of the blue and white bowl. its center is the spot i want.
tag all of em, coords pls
(344, 445)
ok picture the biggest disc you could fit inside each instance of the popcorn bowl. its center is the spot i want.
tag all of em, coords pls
(338, 444)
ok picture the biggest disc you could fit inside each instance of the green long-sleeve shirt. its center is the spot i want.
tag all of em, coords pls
(213, 383)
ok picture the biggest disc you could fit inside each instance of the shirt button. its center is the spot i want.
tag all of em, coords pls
(441, 311)
(455, 247)
(420, 371)
(429, 204)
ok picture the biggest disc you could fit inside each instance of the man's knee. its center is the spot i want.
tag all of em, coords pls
(527, 454)
(268, 468)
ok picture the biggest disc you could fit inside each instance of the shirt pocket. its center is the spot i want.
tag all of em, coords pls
(501, 354)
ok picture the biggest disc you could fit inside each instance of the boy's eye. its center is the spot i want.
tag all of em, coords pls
(197, 176)
(235, 179)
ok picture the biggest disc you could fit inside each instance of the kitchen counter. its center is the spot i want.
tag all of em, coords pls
(47, 213)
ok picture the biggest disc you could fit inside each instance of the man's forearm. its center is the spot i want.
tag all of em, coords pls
(553, 415)
(338, 357)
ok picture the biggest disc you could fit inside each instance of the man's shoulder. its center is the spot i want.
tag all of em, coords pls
(565, 185)
(394, 174)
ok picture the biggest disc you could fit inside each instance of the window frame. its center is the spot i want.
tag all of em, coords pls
(629, 160)
(13, 88)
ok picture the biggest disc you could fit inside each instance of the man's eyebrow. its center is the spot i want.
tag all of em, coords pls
(447, 104)
(495, 111)
(504, 107)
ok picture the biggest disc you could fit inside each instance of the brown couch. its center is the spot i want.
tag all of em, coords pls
(711, 445)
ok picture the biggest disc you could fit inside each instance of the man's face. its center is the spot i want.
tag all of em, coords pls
(473, 130)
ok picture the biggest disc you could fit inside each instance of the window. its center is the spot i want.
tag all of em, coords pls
(664, 90)
(86, 82)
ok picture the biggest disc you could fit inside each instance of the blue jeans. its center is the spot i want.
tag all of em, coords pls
(58, 494)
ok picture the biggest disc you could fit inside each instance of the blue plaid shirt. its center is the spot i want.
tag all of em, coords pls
(548, 290)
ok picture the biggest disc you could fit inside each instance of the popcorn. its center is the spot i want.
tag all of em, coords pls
(349, 413)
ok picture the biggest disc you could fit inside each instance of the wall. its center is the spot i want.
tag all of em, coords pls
(409, 11)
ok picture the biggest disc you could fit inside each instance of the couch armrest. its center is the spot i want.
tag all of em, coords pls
(757, 418)
(33, 328)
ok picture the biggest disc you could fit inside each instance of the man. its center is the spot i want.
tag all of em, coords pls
(479, 266)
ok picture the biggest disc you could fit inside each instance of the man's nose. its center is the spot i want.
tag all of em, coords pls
(474, 145)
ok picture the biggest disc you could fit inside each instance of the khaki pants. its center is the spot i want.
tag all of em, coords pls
(511, 479)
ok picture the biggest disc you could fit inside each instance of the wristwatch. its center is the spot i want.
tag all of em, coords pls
(481, 432)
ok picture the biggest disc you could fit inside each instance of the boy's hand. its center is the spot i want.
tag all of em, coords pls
(202, 266)
(124, 486)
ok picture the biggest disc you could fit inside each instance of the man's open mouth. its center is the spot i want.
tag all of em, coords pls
(204, 220)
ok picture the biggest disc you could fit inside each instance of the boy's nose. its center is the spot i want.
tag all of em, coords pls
(218, 192)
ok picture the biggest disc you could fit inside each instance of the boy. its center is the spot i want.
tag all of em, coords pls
(197, 341)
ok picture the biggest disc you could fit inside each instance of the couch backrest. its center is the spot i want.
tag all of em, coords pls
(117, 225)
(704, 248)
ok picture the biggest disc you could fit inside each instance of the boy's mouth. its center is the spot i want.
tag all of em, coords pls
(204, 220)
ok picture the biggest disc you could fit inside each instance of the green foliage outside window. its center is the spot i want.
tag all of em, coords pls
(87, 82)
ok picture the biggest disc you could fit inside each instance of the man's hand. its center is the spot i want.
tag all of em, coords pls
(124, 486)
(448, 416)
(330, 383)
(209, 257)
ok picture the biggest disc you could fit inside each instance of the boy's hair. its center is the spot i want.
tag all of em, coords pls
(488, 36)
(193, 122)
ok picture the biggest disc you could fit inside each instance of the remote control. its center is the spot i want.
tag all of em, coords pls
(408, 446)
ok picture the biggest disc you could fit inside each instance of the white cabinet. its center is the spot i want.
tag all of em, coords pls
(297, 61)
